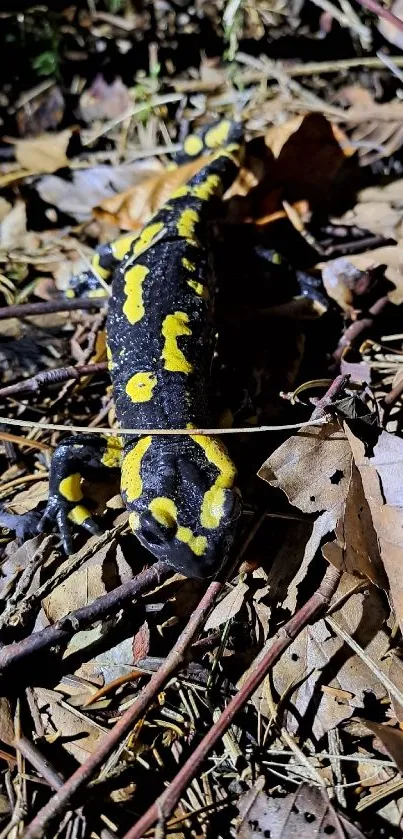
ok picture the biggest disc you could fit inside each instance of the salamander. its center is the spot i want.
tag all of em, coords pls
(180, 491)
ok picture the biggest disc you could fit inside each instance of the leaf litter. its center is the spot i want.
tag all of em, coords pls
(268, 702)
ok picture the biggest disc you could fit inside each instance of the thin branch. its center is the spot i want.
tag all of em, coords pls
(166, 802)
(51, 377)
(24, 310)
(60, 802)
(382, 11)
(64, 629)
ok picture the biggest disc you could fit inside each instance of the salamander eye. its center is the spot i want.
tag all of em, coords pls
(155, 533)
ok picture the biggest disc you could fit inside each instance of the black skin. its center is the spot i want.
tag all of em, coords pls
(179, 471)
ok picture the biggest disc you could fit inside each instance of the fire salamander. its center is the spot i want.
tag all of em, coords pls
(179, 490)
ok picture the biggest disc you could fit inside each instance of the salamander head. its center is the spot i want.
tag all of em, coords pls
(182, 501)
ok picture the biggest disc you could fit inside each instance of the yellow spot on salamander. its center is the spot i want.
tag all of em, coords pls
(193, 145)
(121, 247)
(131, 482)
(113, 452)
(211, 186)
(104, 273)
(179, 193)
(173, 327)
(212, 509)
(70, 487)
(70, 293)
(197, 544)
(186, 225)
(164, 511)
(199, 288)
(133, 308)
(218, 135)
(147, 237)
(190, 266)
(140, 387)
(79, 514)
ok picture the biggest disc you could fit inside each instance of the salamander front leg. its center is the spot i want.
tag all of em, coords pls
(77, 458)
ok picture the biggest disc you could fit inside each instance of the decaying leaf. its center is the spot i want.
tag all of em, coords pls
(228, 607)
(45, 153)
(305, 814)
(383, 487)
(318, 658)
(134, 207)
(390, 737)
(103, 100)
(77, 735)
(87, 188)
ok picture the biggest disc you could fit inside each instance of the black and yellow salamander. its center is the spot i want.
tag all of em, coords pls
(179, 490)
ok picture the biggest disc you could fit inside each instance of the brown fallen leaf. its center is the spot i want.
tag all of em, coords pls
(383, 489)
(391, 738)
(45, 153)
(356, 547)
(318, 658)
(103, 100)
(392, 257)
(305, 813)
(228, 607)
(131, 209)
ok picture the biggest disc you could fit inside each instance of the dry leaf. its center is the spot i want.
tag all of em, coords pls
(303, 814)
(319, 658)
(392, 257)
(29, 498)
(80, 737)
(6, 722)
(381, 476)
(13, 228)
(89, 187)
(103, 100)
(391, 739)
(356, 547)
(228, 607)
(131, 209)
(313, 468)
(141, 643)
(45, 153)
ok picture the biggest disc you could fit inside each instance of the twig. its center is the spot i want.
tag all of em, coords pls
(382, 11)
(51, 377)
(164, 432)
(40, 556)
(335, 388)
(58, 805)
(64, 629)
(354, 330)
(25, 310)
(169, 798)
(39, 762)
(24, 609)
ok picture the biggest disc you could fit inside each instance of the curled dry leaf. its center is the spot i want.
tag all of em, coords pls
(305, 813)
